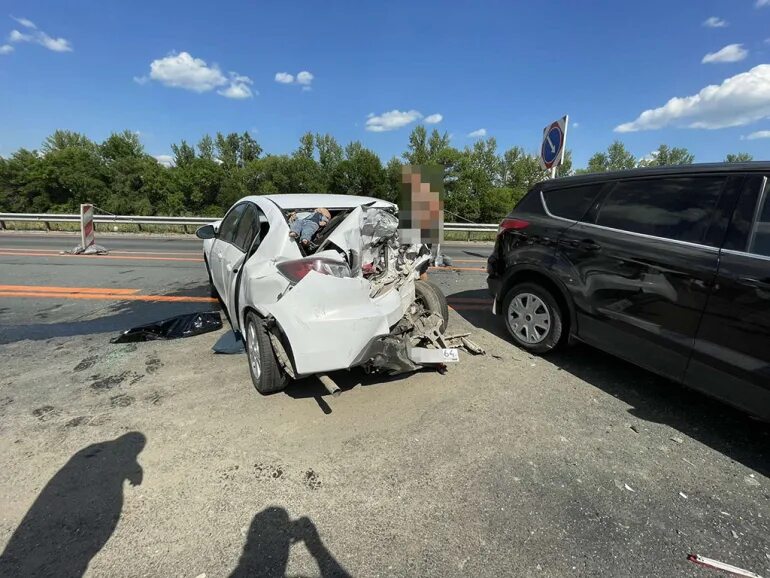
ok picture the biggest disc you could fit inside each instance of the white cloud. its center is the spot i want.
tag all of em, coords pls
(738, 101)
(761, 3)
(391, 120)
(304, 77)
(165, 160)
(6, 49)
(757, 135)
(730, 53)
(238, 87)
(16, 36)
(55, 44)
(715, 22)
(26, 22)
(434, 118)
(38, 37)
(478, 133)
(184, 71)
(575, 124)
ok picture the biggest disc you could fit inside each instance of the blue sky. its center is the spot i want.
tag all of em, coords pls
(176, 70)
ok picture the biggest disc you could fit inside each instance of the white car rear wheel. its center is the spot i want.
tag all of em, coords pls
(266, 373)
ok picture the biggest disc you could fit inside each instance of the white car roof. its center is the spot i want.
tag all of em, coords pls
(312, 201)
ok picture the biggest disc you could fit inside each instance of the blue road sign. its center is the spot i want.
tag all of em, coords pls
(553, 141)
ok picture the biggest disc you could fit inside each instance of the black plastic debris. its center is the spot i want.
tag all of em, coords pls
(186, 325)
(230, 343)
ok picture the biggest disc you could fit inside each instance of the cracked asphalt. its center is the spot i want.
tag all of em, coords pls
(160, 459)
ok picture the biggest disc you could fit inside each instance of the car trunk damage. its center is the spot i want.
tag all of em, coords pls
(351, 301)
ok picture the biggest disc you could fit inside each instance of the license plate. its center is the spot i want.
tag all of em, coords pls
(451, 355)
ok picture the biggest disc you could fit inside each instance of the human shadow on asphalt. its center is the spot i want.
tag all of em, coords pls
(271, 535)
(652, 398)
(111, 317)
(76, 512)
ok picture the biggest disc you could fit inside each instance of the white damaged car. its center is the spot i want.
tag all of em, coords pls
(352, 297)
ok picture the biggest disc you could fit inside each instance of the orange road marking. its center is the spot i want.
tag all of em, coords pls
(110, 297)
(47, 289)
(99, 257)
(57, 251)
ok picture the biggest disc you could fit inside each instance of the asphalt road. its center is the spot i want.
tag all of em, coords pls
(159, 459)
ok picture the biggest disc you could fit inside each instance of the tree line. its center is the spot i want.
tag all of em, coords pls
(481, 183)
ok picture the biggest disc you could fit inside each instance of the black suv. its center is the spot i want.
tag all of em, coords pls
(667, 268)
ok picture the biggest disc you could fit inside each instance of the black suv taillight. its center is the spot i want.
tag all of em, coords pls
(511, 225)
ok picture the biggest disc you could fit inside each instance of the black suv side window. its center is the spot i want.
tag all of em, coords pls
(229, 226)
(573, 202)
(679, 208)
(759, 242)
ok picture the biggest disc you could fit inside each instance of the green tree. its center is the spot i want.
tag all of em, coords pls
(665, 156)
(206, 148)
(617, 158)
(739, 158)
(249, 149)
(184, 154)
(417, 153)
(306, 146)
(228, 149)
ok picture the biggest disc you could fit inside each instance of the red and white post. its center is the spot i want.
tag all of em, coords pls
(86, 226)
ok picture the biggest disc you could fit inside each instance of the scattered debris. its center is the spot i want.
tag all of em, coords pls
(683, 495)
(187, 325)
(230, 343)
(734, 533)
(751, 480)
(90, 250)
(717, 565)
(676, 439)
(623, 486)
(633, 428)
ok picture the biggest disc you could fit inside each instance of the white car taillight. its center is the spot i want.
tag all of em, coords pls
(296, 270)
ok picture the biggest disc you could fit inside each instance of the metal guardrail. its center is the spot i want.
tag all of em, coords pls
(47, 218)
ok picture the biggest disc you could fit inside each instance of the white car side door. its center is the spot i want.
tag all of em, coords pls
(221, 249)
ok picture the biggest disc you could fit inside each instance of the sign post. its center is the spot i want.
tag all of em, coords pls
(554, 144)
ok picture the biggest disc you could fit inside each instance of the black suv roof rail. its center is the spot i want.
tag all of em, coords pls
(694, 169)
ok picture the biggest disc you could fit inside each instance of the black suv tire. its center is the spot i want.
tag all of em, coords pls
(533, 302)
(266, 373)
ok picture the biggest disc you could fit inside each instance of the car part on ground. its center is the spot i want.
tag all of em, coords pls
(186, 325)
(229, 344)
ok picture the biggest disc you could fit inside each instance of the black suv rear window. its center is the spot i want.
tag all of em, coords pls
(573, 202)
(679, 208)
